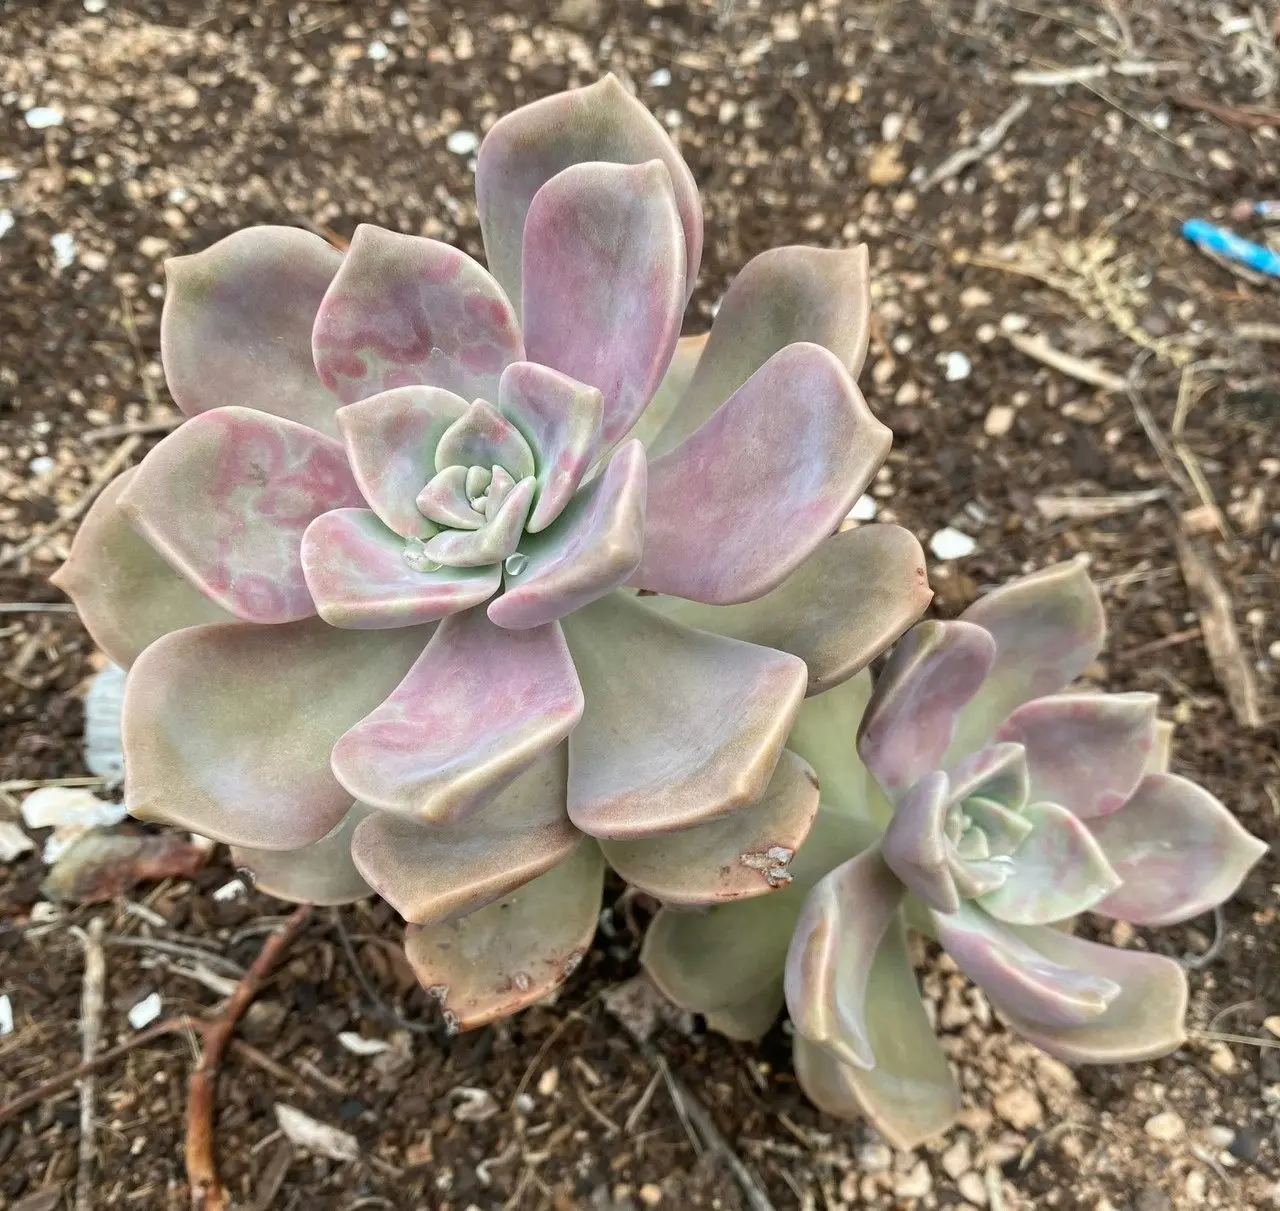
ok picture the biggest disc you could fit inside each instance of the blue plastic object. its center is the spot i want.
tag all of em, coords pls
(1228, 244)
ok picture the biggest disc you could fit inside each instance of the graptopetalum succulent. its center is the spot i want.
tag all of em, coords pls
(988, 809)
(381, 592)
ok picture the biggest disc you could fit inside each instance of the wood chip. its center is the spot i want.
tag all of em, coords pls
(316, 1137)
(1075, 367)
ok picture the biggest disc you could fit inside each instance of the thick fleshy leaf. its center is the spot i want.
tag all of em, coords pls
(483, 437)
(432, 872)
(478, 708)
(589, 550)
(752, 494)
(1178, 850)
(492, 542)
(236, 325)
(514, 951)
(782, 296)
(445, 501)
(749, 1021)
(603, 282)
(916, 847)
(560, 419)
(127, 596)
(405, 311)
(391, 440)
(684, 361)
(997, 773)
(227, 729)
(1086, 752)
(837, 611)
(1059, 870)
(1048, 628)
(226, 498)
(358, 576)
(677, 767)
(734, 858)
(824, 733)
(936, 668)
(1003, 829)
(525, 149)
(829, 961)
(321, 873)
(911, 1094)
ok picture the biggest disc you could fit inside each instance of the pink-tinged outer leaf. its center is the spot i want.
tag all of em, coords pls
(752, 494)
(684, 361)
(236, 325)
(126, 594)
(492, 542)
(916, 847)
(477, 709)
(391, 441)
(1085, 752)
(590, 549)
(1048, 628)
(358, 577)
(603, 282)
(909, 723)
(513, 952)
(997, 773)
(832, 950)
(678, 767)
(1017, 974)
(434, 872)
(406, 311)
(735, 858)
(322, 873)
(227, 728)
(528, 147)
(1059, 870)
(560, 419)
(483, 437)
(1177, 849)
(226, 498)
(782, 296)
(749, 1021)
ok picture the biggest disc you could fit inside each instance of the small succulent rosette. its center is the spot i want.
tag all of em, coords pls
(458, 582)
(990, 807)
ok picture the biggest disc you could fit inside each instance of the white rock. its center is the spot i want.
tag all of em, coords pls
(42, 117)
(70, 811)
(8, 172)
(145, 1011)
(95, 6)
(864, 508)
(998, 421)
(13, 841)
(874, 1158)
(6, 222)
(41, 465)
(957, 1160)
(950, 543)
(891, 127)
(377, 50)
(63, 244)
(660, 79)
(6, 1015)
(316, 1137)
(462, 142)
(232, 889)
(956, 366)
(1165, 1126)
(915, 1184)
(357, 1044)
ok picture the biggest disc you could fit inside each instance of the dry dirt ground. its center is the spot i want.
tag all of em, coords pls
(825, 121)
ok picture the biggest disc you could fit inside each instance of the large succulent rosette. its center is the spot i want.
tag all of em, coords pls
(456, 582)
(989, 808)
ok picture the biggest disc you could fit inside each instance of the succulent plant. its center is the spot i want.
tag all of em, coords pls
(985, 808)
(456, 583)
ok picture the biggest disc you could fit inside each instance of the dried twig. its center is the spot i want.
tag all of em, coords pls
(91, 1004)
(36, 607)
(1249, 119)
(1053, 77)
(380, 1011)
(166, 424)
(1070, 365)
(1093, 508)
(986, 142)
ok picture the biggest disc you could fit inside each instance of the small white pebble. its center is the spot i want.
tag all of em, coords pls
(974, 296)
(63, 244)
(462, 142)
(6, 222)
(998, 421)
(874, 1158)
(42, 117)
(145, 1011)
(8, 173)
(915, 1184)
(6, 1015)
(95, 6)
(891, 127)
(864, 508)
(233, 889)
(399, 18)
(357, 1044)
(41, 465)
(957, 367)
(660, 79)
(1013, 322)
(1165, 1126)
(377, 50)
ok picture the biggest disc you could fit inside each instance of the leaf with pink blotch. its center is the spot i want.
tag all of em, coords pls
(483, 437)
(477, 709)
(359, 578)
(320, 873)
(226, 498)
(1178, 850)
(603, 282)
(403, 311)
(236, 325)
(528, 147)
(751, 495)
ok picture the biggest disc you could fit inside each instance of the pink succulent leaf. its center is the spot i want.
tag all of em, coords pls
(483, 437)
(391, 439)
(227, 728)
(997, 772)
(320, 873)
(433, 872)
(226, 498)
(1059, 870)
(1048, 628)
(590, 549)
(1179, 851)
(828, 971)
(525, 149)
(748, 1021)
(734, 858)
(364, 577)
(406, 311)
(911, 1094)
(1161, 753)
(236, 325)
(477, 709)
(837, 611)
(677, 769)
(741, 504)
(782, 296)
(1086, 752)
(936, 668)
(127, 596)
(916, 847)
(446, 502)
(494, 541)
(684, 361)
(822, 734)
(603, 282)
(511, 953)
(560, 419)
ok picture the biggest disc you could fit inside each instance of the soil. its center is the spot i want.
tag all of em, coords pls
(819, 123)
